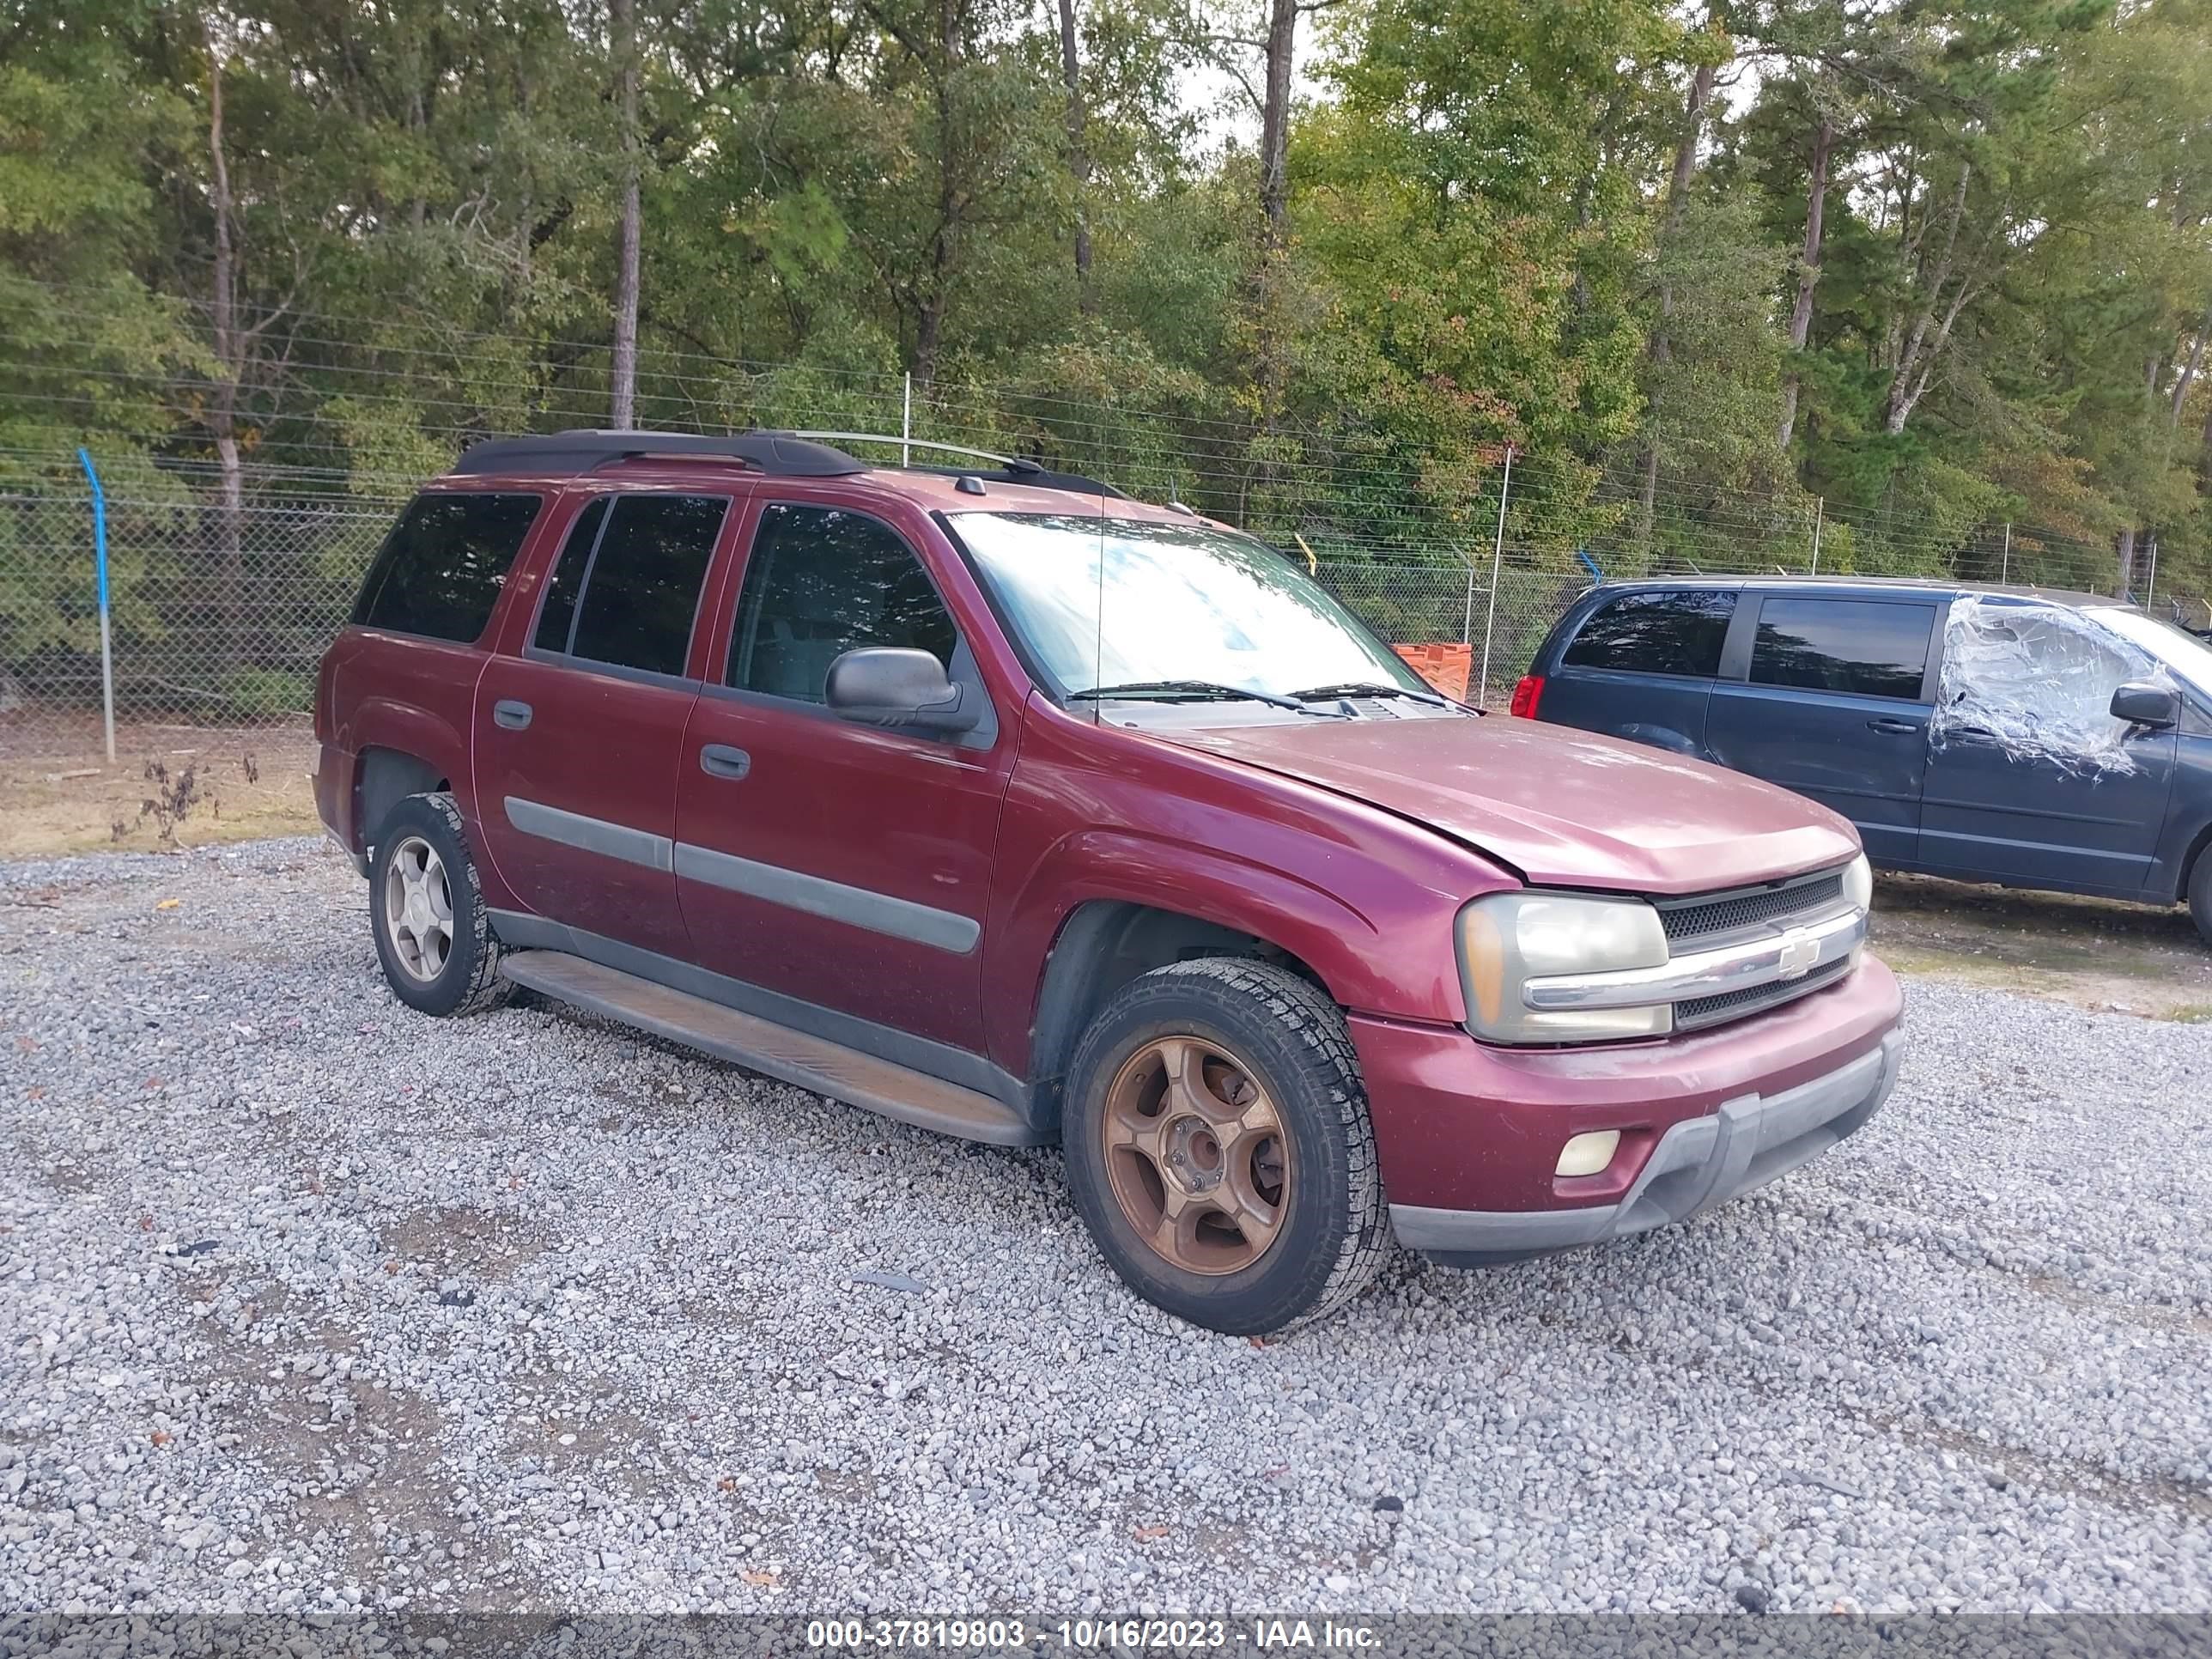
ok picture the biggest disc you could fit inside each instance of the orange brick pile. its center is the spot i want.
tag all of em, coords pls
(1445, 666)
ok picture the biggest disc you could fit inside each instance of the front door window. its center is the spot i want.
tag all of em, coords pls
(2036, 680)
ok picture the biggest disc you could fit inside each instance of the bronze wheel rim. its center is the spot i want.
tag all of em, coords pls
(1196, 1155)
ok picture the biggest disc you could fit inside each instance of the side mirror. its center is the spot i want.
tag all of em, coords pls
(906, 690)
(2141, 703)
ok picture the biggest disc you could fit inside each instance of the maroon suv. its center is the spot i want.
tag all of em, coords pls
(996, 802)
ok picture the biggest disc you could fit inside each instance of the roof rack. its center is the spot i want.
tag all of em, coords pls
(782, 454)
(1012, 469)
(779, 454)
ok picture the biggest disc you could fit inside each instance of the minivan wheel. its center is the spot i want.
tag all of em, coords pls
(1219, 1150)
(2200, 895)
(427, 911)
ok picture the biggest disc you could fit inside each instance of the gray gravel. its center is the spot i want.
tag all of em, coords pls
(307, 1301)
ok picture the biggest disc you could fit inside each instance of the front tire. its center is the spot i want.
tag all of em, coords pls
(1219, 1150)
(427, 912)
(2200, 895)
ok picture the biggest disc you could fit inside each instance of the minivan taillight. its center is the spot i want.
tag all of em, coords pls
(1527, 695)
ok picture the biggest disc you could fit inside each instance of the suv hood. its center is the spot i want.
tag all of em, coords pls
(1563, 808)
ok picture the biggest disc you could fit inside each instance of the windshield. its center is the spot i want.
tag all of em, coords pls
(1182, 603)
(2188, 657)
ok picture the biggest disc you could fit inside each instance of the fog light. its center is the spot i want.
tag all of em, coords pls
(1588, 1155)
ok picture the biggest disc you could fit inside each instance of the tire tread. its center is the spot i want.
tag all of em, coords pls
(1307, 1016)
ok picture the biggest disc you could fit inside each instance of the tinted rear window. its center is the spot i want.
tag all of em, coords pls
(1675, 632)
(1865, 648)
(641, 590)
(439, 571)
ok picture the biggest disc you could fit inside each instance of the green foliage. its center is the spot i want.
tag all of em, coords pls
(1485, 254)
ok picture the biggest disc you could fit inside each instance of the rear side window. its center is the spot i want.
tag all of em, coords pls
(821, 582)
(1674, 632)
(635, 575)
(1864, 648)
(439, 571)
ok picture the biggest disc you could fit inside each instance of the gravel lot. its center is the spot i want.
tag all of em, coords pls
(309, 1302)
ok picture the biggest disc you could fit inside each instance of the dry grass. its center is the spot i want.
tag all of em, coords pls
(2093, 953)
(58, 794)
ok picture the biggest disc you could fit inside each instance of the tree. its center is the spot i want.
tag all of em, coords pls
(622, 31)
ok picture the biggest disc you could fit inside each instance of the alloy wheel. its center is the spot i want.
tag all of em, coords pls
(418, 909)
(1196, 1155)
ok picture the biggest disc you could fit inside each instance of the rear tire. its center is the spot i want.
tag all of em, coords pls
(426, 910)
(1218, 1146)
(2200, 895)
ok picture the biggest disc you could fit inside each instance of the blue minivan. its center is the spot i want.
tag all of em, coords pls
(2008, 735)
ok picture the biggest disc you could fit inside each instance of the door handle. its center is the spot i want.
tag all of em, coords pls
(720, 761)
(514, 716)
(1893, 726)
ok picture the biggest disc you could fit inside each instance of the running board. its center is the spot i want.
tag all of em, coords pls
(792, 1057)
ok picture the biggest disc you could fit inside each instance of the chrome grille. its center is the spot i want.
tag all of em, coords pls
(1705, 921)
(1709, 913)
(1736, 1005)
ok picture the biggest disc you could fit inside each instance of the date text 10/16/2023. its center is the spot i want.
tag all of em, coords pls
(1167, 1635)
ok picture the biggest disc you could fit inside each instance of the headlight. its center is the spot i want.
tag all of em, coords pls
(1508, 938)
(1858, 884)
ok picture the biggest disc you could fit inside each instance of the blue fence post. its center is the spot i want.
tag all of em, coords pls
(100, 567)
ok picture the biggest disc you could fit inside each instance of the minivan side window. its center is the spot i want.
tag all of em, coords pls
(1863, 648)
(1676, 631)
(439, 571)
(636, 581)
(823, 581)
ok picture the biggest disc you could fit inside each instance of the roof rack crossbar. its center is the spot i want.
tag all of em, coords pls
(780, 454)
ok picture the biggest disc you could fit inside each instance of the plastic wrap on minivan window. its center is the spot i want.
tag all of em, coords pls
(2038, 679)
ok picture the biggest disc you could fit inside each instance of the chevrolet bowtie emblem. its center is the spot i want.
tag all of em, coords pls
(1801, 953)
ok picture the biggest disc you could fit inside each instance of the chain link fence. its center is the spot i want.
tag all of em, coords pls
(220, 609)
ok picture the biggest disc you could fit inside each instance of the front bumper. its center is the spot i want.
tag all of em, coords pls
(1697, 1164)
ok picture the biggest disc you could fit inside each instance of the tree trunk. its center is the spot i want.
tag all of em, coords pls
(1678, 194)
(1079, 156)
(622, 401)
(1808, 272)
(1275, 121)
(230, 364)
(1647, 503)
(944, 244)
(1915, 365)
(2182, 381)
(2126, 541)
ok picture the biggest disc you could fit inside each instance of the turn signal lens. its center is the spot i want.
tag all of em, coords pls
(1526, 696)
(1589, 1154)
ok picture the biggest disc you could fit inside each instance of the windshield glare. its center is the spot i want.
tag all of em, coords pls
(1181, 602)
(2188, 657)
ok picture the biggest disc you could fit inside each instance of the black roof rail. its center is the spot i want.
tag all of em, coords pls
(780, 454)
(1006, 468)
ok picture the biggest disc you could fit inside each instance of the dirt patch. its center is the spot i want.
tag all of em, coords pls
(2076, 1478)
(2093, 953)
(62, 796)
(451, 1240)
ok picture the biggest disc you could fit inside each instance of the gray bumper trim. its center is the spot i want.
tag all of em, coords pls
(1698, 1163)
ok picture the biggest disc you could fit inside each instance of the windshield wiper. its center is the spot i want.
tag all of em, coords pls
(1194, 691)
(1371, 689)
